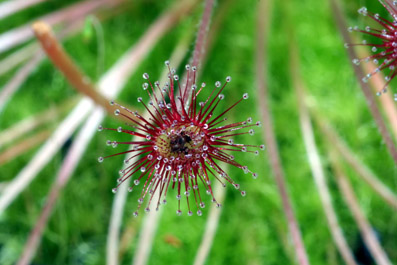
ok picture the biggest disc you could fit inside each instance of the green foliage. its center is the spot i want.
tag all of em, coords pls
(252, 230)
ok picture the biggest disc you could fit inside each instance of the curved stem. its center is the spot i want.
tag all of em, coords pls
(270, 139)
(199, 48)
(365, 227)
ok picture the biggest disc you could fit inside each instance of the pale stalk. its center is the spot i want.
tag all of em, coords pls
(29, 124)
(199, 49)
(23, 146)
(31, 51)
(64, 63)
(151, 220)
(377, 83)
(367, 232)
(45, 153)
(19, 56)
(211, 226)
(69, 14)
(127, 64)
(270, 138)
(369, 95)
(384, 192)
(10, 7)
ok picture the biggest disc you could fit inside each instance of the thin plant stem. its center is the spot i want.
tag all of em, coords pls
(270, 139)
(113, 80)
(44, 154)
(14, 59)
(36, 55)
(31, 123)
(314, 159)
(214, 215)
(366, 230)
(369, 95)
(362, 170)
(210, 227)
(64, 63)
(146, 236)
(27, 51)
(18, 79)
(23, 146)
(10, 7)
(151, 220)
(199, 48)
(221, 13)
(377, 82)
(79, 145)
(147, 233)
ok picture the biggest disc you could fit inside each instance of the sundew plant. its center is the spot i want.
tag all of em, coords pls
(182, 141)
(198, 132)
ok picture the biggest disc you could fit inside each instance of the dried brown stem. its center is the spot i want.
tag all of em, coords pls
(64, 63)
(35, 235)
(366, 230)
(369, 95)
(314, 158)
(363, 171)
(22, 74)
(270, 139)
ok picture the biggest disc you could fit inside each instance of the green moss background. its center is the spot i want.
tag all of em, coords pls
(252, 229)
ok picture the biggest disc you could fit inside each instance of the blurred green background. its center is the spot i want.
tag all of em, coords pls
(251, 229)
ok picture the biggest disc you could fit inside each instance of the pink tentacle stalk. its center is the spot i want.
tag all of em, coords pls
(181, 147)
